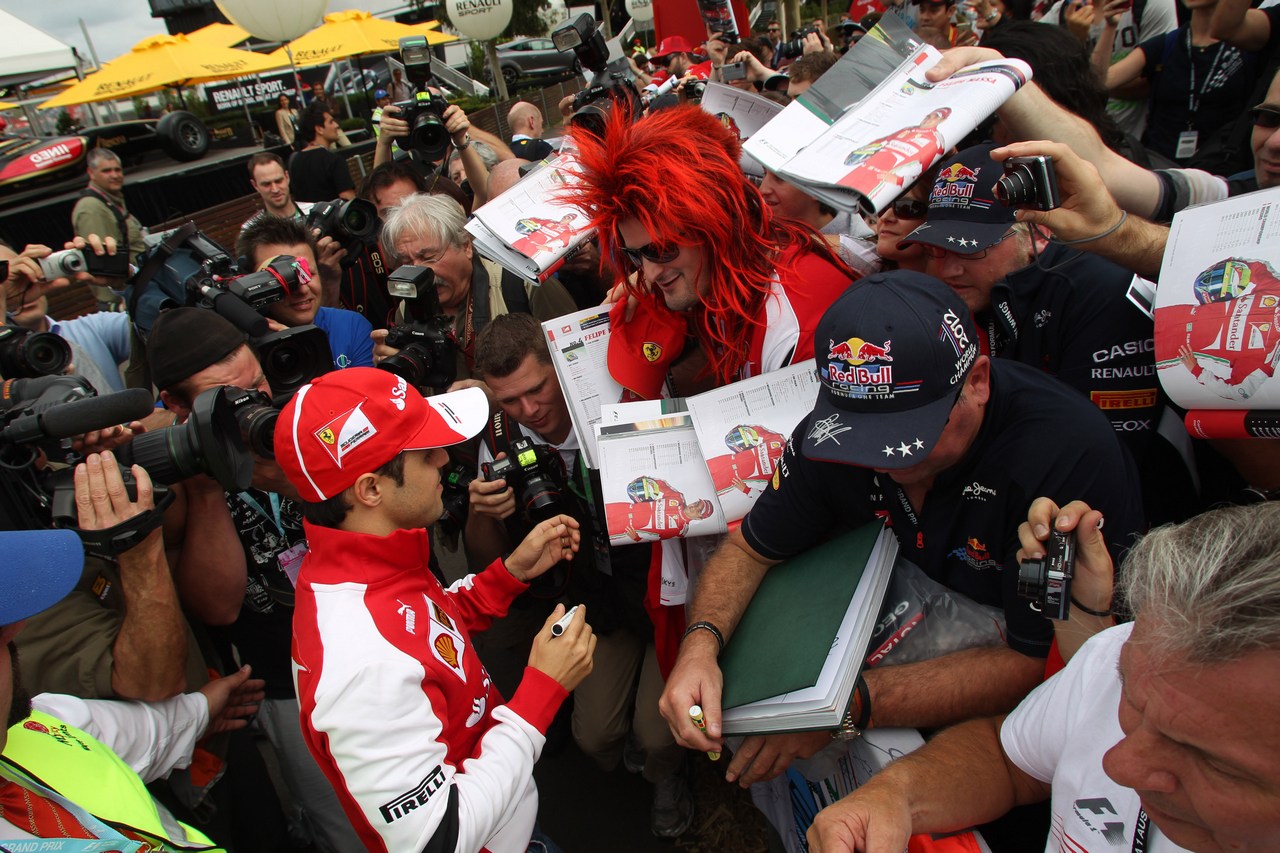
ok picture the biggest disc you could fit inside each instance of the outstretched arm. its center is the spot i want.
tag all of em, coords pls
(958, 779)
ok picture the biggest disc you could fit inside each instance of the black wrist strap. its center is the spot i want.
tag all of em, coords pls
(1101, 614)
(864, 704)
(707, 626)
(114, 541)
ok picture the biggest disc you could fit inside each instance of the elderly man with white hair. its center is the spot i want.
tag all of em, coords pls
(430, 231)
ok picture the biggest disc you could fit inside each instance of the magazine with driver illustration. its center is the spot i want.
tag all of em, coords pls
(863, 157)
(1217, 316)
(528, 229)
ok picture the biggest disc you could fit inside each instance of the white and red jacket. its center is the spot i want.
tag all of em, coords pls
(396, 706)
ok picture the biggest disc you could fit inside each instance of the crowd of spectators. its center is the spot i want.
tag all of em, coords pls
(402, 667)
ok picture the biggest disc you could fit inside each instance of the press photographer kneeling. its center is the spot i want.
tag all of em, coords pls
(531, 468)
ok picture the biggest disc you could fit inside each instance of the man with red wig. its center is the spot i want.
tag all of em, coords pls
(671, 203)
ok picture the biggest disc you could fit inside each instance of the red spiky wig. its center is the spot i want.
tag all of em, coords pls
(677, 173)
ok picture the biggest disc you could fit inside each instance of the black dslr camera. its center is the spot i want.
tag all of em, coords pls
(25, 354)
(427, 357)
(1047, 582)
(536, 475)
(1029, 182)
(455, 497)
(423, 111)
(612, 84)
(794, 47)
(351, 223)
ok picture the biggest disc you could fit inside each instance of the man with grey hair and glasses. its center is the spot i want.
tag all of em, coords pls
(430, 231)
(1162, 734)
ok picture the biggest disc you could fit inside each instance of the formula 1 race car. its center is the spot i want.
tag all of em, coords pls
(29, 160)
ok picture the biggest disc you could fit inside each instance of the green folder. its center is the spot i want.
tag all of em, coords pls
(783, 639)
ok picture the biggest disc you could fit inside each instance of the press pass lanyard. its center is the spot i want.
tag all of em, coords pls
(275, 508)
(1140, 831)
(911, 516)
(1195, 93)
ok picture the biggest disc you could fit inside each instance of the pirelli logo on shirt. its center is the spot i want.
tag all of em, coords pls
(410, 800)
(1143, 398)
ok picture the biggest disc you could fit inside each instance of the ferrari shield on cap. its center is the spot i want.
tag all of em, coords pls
(353, 421)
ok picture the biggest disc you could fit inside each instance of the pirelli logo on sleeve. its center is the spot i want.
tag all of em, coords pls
(410, 800)
(1142, 399)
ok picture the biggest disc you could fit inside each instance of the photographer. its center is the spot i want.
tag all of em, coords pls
(348, 332)
(621, 694)
(99, 341)
(235, 554)
(101, 209)
(430, 231)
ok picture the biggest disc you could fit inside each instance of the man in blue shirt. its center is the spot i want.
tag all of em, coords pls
(348, 332)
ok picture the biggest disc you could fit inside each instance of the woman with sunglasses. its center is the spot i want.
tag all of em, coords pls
(847, 233)
(899, 219)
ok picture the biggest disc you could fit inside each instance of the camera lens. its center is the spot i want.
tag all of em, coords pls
(411, 364)
(429, 136)
(1032, 579)
(1018, 187)
(356, 220)
(26, 354)
(169, 455)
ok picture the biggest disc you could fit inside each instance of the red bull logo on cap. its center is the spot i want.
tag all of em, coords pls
(857, 352)
(955, 182)
(957, 172)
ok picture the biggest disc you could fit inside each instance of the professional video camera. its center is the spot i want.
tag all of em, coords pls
(41, 416)
(351, 223)
(424, 111)
(428, 354)
(25, 354)
(187, 268)
(537, 477)
(612, 84)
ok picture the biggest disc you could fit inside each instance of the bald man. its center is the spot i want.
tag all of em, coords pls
(525, 121)
(504, 176)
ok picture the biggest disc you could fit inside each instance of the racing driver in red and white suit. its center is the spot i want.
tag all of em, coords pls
(397, 709)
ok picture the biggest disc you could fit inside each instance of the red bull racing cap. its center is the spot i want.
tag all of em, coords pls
(350, 422)
(965, 216)
(893, 353)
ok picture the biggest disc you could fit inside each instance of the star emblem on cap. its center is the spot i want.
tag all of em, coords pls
(919, 444)
(905, 449)
(888, 451)
(953, 239)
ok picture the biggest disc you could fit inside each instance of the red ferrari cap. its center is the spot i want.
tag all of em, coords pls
(642, 348)
(673, 44)
(350, 422)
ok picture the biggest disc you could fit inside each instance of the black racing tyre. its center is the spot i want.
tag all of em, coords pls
(183, 136)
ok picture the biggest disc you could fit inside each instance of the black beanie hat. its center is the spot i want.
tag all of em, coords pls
(184, 341)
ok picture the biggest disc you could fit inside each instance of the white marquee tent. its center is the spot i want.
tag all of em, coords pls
(27, 53)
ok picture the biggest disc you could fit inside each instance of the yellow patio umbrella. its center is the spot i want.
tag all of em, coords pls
(9, 105)
(219, 35)
(161, 61)
(352, 33)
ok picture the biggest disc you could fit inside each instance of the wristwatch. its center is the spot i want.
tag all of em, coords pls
(848, 728)
(851, 727)
(466, 142)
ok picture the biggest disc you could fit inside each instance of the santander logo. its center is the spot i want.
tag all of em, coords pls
(56, 155)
